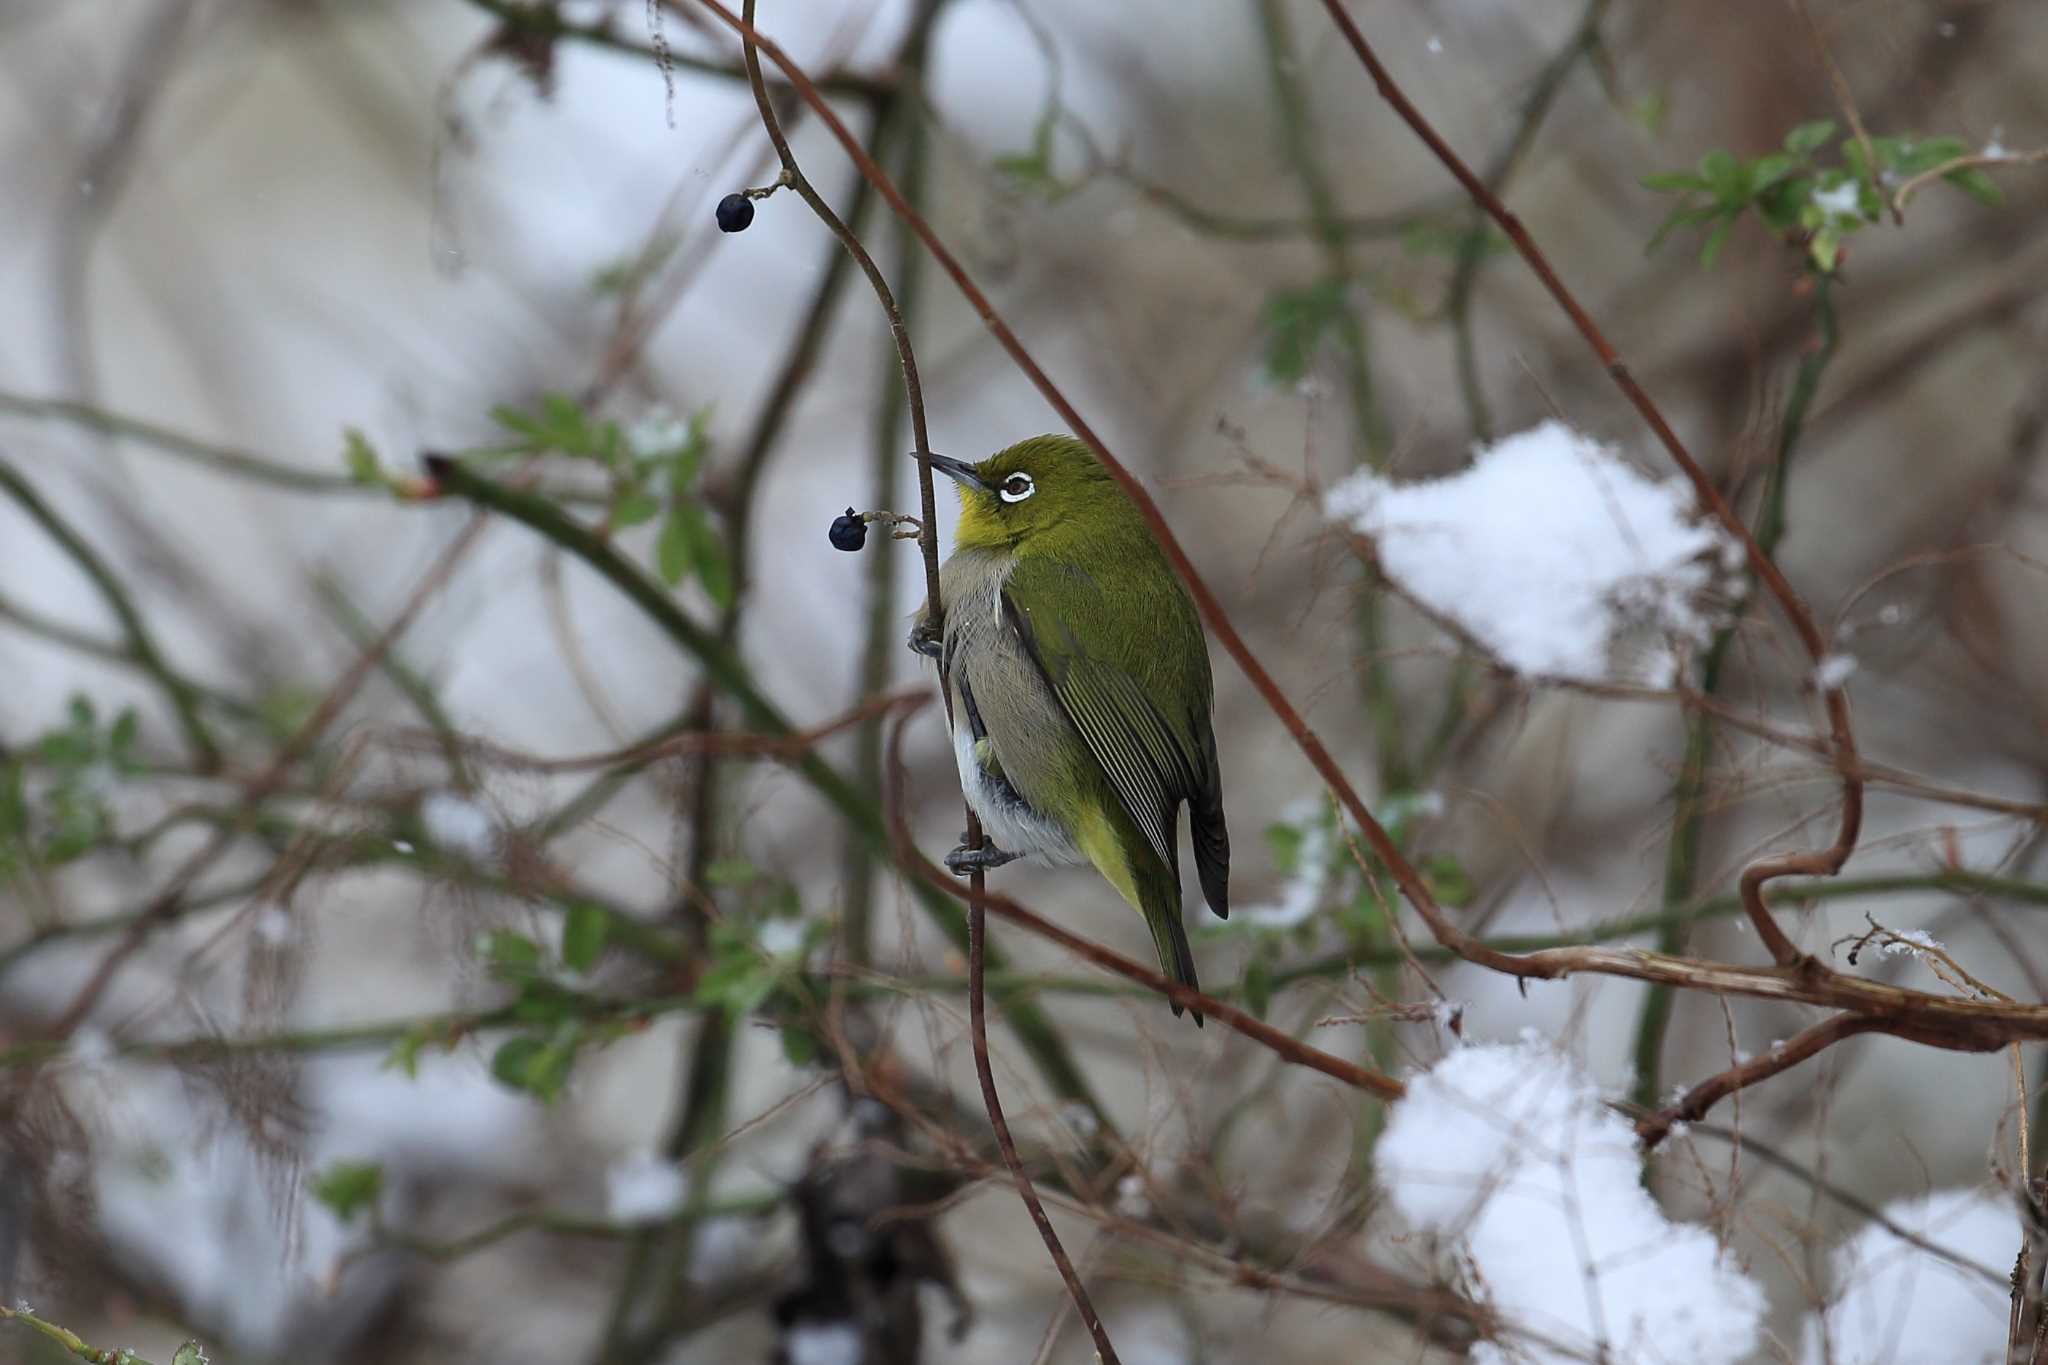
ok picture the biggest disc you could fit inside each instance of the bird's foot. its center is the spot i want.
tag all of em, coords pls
(926, 641)
(964, 860)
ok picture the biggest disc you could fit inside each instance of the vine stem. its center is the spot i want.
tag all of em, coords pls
(1824, 862)
(928, 547)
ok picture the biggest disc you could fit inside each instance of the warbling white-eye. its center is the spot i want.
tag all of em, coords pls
(1080, 685)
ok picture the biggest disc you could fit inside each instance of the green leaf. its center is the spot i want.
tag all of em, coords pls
(517, 422)
(1685, 215)
(1667, 181)
(1972, 181)
(1285, 841)
(121, 738)
(361, 457)
(349, 1187)
(507, 949)
(538, 1066)
(729, 872)
(405, 1053)
(1446, 878)
(1710, 250)
(673, 552)
(1651, 111)
(1296, 322)
(1258, 985)
(1766, 171)
(1033, 169)
(1853, 159)
(13, 801)
(1809, 138)
(799, 1044)
(584, 933)
(1928, 153)
(1783, 205)
(634, 509)
(191, 1353)
(543, 1002)
(513, 1062)
(1725, 178)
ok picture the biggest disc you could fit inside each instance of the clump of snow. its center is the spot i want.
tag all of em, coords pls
(1549, 550)
(91, 1046)
(780, 937)
(1507, 1150)
(824, 1343)
(1914, 941)
(457, 824)
(1832, 671)
(644, 1188)
(1131, 1199)
(1843, 201)
(273, 926)
(1152, 1334)
(1899, 1304)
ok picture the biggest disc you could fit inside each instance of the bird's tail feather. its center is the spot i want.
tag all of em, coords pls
(1151, 887)
(1176, 958)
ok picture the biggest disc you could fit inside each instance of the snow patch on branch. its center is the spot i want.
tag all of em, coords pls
(1550, 551)
(1508, 1152)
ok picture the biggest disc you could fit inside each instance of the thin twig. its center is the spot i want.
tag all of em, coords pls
(1846, 98)
(1964, 163)
(183, 695)
(1794, 1050)
(928, 545)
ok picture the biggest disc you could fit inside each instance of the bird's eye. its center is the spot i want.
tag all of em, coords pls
(1017, 487)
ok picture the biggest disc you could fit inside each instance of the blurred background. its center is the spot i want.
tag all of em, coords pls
(382, 977)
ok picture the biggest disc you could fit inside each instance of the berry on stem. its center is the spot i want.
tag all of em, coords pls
(735, 211)
(849, 532)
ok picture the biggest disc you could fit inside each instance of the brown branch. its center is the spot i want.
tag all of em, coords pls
(1697, 1101)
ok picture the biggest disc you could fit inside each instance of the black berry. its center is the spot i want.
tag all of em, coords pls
(735, 211)
(849, 532)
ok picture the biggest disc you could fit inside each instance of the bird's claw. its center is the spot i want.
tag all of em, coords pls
(926, 641)
(964, 860)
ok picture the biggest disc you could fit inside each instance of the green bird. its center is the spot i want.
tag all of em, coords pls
(1080, 685)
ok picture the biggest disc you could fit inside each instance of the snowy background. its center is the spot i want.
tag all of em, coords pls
(260, 224)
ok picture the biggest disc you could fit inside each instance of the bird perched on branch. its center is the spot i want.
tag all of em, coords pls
(1080, 685)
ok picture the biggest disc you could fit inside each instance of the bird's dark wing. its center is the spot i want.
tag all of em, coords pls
(1156, 756)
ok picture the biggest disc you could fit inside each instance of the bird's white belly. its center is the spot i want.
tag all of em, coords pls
(1014, 826)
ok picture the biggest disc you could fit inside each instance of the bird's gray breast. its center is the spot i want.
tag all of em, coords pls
(1011, 740)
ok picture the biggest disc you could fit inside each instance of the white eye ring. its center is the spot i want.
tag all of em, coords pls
(1016, 488)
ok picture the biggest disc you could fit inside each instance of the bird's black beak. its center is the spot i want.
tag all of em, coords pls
(956, 469)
